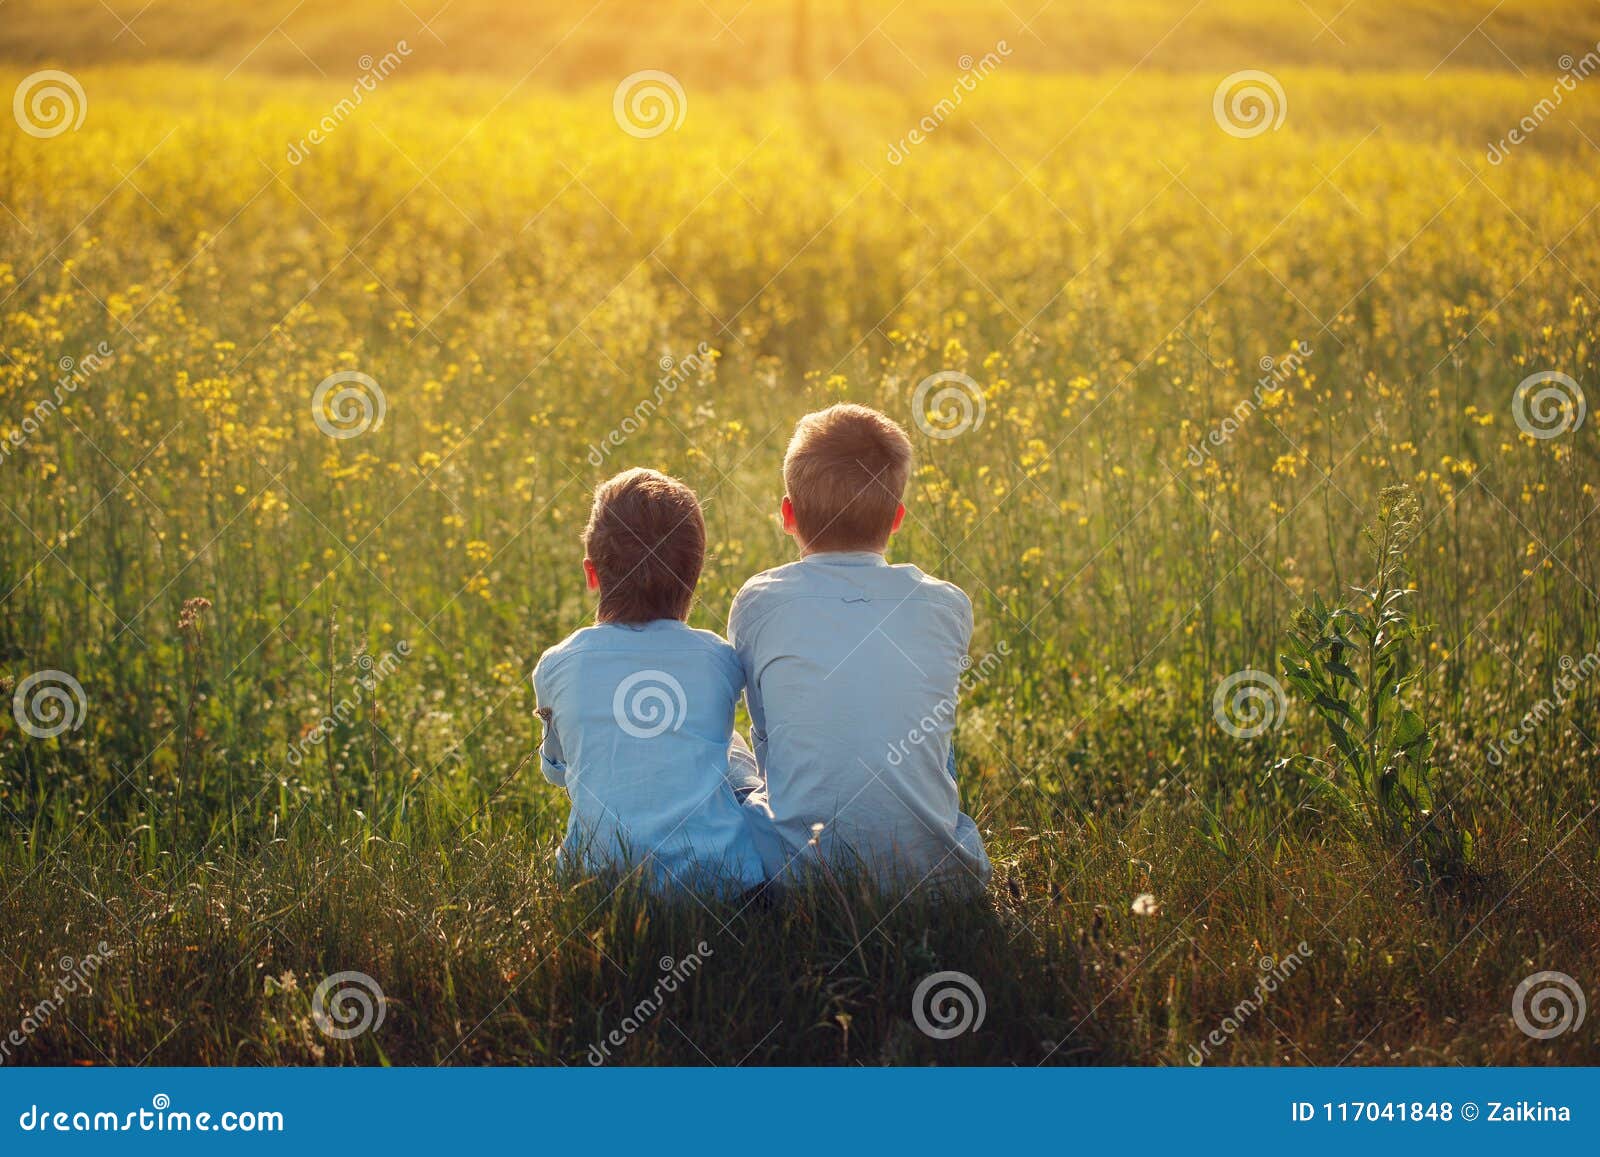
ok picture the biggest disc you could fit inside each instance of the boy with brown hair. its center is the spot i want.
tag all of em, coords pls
(852, 668)
(638, 709)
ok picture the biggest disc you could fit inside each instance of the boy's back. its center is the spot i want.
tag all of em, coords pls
(642, 715)
(853, 669)
(638, 709)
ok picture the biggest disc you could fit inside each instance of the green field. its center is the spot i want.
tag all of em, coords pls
(1205, 362)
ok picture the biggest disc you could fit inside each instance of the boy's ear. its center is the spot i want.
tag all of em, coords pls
(590, 575)
(899, 517)
(789, 525)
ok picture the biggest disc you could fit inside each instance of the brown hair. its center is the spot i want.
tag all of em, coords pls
(647, 540)
(846, 470)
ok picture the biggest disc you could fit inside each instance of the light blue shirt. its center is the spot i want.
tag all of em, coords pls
(640, 720)
(852, 670)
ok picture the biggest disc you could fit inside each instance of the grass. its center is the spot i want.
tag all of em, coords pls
(485, 961)
(1107, 266)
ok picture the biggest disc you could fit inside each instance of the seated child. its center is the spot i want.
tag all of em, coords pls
(852, 668)
(638, 709)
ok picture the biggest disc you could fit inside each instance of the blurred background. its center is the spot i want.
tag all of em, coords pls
(320, 321)
(727, 43)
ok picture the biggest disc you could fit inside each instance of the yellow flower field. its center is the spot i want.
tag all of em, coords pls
(1184, 356)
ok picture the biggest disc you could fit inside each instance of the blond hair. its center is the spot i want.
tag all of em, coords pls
(846, 471)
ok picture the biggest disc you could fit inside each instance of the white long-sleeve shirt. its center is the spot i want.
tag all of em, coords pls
(852, 670)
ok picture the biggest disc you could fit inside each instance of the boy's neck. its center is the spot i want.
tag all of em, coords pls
(811, 552)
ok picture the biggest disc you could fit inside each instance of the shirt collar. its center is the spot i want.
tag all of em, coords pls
(847, 558)
(651, 625)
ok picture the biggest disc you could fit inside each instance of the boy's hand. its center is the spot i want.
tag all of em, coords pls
(552, 760)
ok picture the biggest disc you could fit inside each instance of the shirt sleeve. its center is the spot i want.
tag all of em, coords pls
(552, 760)
(742, 640)
(964, 609)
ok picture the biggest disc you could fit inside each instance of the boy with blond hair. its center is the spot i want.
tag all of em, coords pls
(852, 667)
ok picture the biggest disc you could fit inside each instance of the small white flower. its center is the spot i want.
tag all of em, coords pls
(1145, 904)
